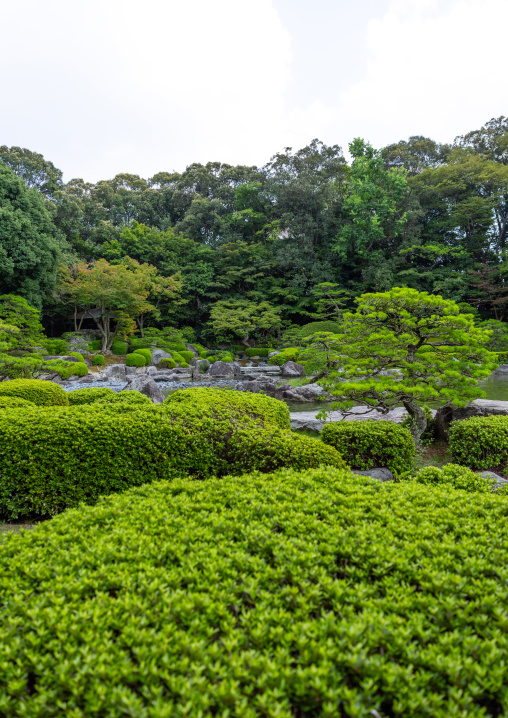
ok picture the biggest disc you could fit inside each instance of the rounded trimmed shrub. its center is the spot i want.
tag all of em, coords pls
(313, 327)
(98, 360)
(119, 348)
(187, 356)
(480, 442)
(371, 444)
(176, 346)
(455, 476)
(167, 364)
(14, 402)
(89, 395)
(184, 365)
(177, 357)
(76, 355)
(310, 593)
(41, 393)
(95, 345)
(135, 360)
(257, 352)
(144, 353)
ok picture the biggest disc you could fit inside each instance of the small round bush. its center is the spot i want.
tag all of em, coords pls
(371, 444)
(144, 353)
(455, 476)
(42, 393)
(74, 369)
(89, 395)
(177, 357)
(187, 356)
(313, 327)
(119, 348)
(184, 365)
(167, 363)
(14, 402)
(135, 360)
(98, 360)
(76, 355)
(125, 397)
(289, 354)
(176, 346)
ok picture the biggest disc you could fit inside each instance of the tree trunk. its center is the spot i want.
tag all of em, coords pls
(418, 419)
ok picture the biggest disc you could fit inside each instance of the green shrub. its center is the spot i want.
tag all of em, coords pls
(454, 476)
(76, 355)
(74, 454)
(135, 360)
(89, 395)
(176, 346)
(187, 356)
(14, 402)
(371, 444)
(126, 397)
(480, 442)
(502, 357)
(177, 357)
(313, 327)
(98, 360)
(313, 594)
(145, 353)
(289, 354)
(167, 364)
(95, 345)
(41, 393)
(77, 368)
(56, 346)
(218, 355)
(238, 348)
(257, 352)
(184, 365)
(139, 343)
(119, 348)
(258, 407)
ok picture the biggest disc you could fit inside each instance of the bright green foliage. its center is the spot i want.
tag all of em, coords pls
(57, 346)
(312, 594)
(14, 402)
(42, 393)
(77, 355)
(177, 357)
(95, 345)
(140, 343)
(502, 357)
(17, 312)
(429, 435)
(404, 347)
(144, 353)
(217, 355)
(74, 369)
(371, 444)
(187, 356)
(98, 360)
(288, 354)
(480, 442)
(313, 327)
(32, 366)
(167, 363)
(119, 348)
(135, 360)
(81, 452)
(184, 365)
(89, 395)
(453, 475)
(126, 397)
(255, 406)
(257, 352)
(176, 346)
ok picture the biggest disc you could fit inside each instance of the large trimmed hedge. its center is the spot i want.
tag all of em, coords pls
(51, 459)
(89, 395)
(14, 402)
(42, 393)
(135, 360)
(480, 442)
(314, 594)
(371, 444)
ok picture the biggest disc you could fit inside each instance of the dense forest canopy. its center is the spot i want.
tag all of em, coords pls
(415, 214)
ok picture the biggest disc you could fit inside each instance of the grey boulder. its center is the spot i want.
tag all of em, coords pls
(498, 479)
(61, 358)
(380, 474)
(292, 369)
(147, 386)
(115, 372)
(273, 354)
(150, 370)
(222, 368)
(158, 355)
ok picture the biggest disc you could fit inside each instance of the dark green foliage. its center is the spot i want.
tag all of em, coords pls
(456, 477)
(429, 435)
(119, 348)
(371, 444)
(81, 452)
(126, 397)
(167, 364)
(42, 393)
(187, 356)
(314, 327)
(176, 346)
(312, 594)
(98, 360)
(239, 348)
(14, 402)
(95, 345)
(144, 353)
(77, 355)
(502, 357)
(89, 395)
(135, 360)
(140, 343)
(256, 406)
(257, 352)
(480, 442)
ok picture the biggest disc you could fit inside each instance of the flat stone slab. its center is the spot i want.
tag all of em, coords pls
(307, 419)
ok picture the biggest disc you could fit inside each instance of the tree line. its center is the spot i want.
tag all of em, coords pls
(269, 248)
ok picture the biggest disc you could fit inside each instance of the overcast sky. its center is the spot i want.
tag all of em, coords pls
(107, 86)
